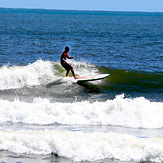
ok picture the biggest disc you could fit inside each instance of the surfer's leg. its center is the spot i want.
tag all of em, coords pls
(72, 70)
(67, 67)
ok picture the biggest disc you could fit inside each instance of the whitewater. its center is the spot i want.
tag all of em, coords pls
(80, 146)
(89, 130)
(136, 113)
(130, 112)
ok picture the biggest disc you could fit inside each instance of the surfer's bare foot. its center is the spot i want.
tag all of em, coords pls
(75, 77)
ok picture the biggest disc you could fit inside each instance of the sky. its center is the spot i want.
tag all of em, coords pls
(102, 5)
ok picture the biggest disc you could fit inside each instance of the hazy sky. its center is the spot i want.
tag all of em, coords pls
(107, 5)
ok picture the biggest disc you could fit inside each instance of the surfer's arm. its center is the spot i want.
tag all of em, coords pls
(70, 57)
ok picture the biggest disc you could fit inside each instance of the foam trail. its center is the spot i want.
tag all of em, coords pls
(136, 113)
(80, 146)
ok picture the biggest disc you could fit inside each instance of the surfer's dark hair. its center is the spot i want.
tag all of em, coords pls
(67, 48)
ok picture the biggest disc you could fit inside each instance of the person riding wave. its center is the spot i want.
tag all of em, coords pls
(63, 62)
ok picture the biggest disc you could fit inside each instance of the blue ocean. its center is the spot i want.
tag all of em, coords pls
(46, 117)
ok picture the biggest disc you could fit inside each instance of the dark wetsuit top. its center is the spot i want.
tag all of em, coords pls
(63, 62)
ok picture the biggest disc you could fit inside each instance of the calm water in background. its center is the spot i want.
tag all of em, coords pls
(42, 112)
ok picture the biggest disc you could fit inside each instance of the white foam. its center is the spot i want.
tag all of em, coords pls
(83, 68)
(33, 74)
(80, 146)
(136, 113)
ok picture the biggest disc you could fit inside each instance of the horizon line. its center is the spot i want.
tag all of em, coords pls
(97, 10)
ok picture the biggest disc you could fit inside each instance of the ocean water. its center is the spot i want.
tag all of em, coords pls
(46, 117)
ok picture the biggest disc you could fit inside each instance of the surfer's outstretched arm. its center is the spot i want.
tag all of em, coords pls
(70, 57)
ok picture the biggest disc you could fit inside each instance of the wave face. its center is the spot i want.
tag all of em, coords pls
(135, 80)
(136, 113)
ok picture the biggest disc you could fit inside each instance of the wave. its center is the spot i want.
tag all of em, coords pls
(136, 112)
(123, 80)
(45, 72)
(80, 146)
(38, 73)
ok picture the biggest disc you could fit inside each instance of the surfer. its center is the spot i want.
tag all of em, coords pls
(63, 62)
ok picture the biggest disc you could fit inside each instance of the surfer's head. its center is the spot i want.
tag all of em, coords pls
(67, 49)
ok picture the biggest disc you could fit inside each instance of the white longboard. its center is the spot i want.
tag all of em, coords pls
(92, 77)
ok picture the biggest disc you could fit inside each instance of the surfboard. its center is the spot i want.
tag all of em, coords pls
(92, 77)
